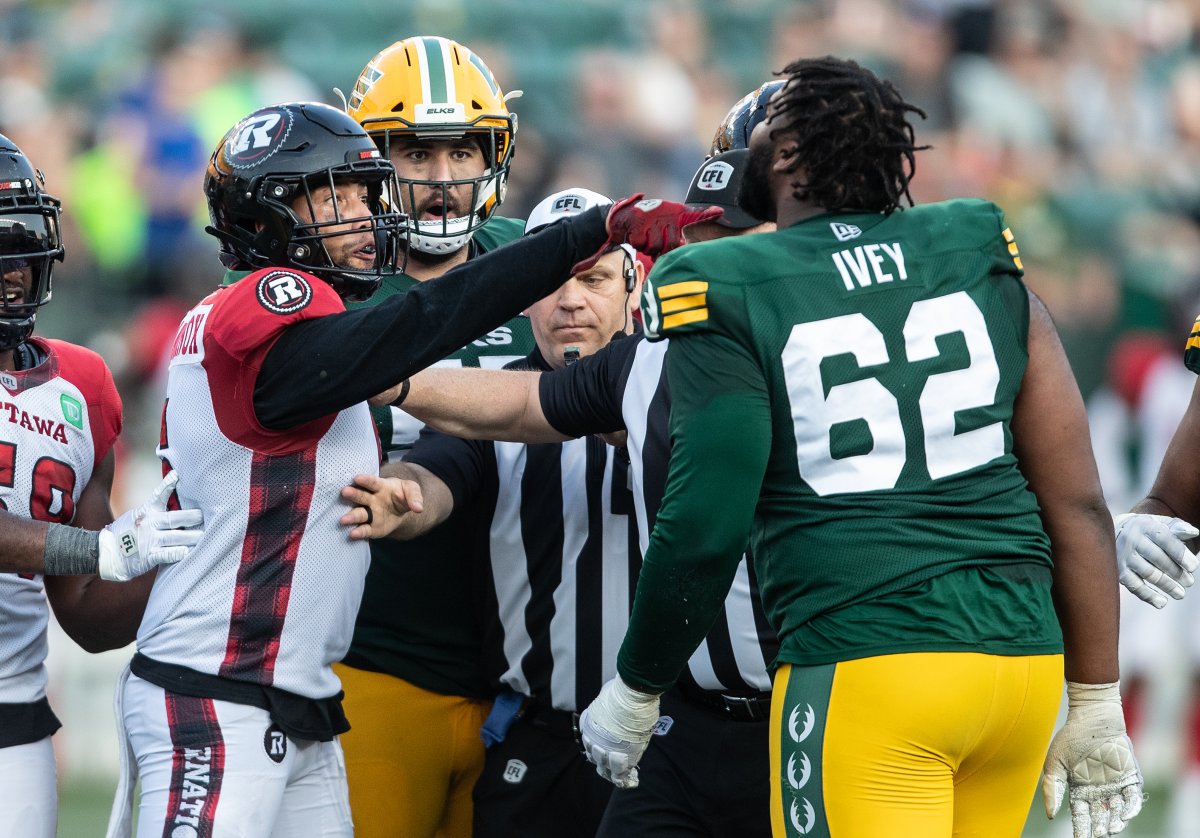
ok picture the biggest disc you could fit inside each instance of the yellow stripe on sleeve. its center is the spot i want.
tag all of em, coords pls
(680, 303)
(694, 315)
(678, 289)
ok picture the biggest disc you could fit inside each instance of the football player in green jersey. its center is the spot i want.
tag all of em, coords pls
(875, 401)
(413, 680)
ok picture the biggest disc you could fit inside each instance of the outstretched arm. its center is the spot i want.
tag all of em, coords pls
(404, 501)
(481, 404)
(323, 365)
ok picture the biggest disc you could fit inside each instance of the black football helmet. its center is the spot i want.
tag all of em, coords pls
(29, 238)
(734, 130)
(283, 152)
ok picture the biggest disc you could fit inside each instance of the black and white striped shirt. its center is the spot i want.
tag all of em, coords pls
(623, 386)
(558, 551)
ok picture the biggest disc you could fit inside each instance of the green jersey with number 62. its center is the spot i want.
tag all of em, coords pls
(874, 360)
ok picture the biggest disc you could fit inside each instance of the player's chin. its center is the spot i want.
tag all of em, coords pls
(361, 260)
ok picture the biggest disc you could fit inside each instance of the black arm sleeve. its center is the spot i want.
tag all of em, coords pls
(462, 464)
(320, 366)
(585, 398)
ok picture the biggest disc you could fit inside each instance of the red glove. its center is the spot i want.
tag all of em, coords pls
(651, 226)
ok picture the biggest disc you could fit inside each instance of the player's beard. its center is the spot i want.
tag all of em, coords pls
(754, 192)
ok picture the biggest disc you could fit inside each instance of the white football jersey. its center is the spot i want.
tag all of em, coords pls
(270, 593)
(57, 421)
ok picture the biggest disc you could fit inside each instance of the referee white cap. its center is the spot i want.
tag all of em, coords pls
(563, 204)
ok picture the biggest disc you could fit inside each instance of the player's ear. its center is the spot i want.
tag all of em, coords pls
(784, 157)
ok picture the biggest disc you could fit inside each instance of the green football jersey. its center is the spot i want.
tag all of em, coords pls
(418, 618)
(842, 396)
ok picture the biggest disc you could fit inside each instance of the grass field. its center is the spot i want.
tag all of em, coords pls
(83, 813)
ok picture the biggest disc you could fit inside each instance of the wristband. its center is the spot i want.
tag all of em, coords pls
(399, 400)
(70, 551)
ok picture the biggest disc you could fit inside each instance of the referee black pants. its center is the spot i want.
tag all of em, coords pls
(707, 776)
(536, 783)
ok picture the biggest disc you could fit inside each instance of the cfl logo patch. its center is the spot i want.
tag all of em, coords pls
(514, 771)
(715, 177)
(283, 292)
(128, 544)
(568, 203)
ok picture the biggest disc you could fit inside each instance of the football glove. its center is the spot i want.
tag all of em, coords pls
(1091, 758)
(148, 536)
(650, 226)
(615, 729)
(1152, 559)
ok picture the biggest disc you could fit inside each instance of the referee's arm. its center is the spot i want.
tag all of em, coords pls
(481, 404)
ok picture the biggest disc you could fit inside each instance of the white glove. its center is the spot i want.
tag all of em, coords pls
(1152, 559)
(615, 730)
(1092, 756)
(148, 536)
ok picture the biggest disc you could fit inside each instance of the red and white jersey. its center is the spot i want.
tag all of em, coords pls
(57, 421)
(270, 593)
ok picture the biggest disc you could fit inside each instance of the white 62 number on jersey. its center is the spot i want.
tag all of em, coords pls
(814, 413)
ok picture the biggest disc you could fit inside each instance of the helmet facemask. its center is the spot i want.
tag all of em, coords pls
(334, 247)
(463, 204)
(29, 245)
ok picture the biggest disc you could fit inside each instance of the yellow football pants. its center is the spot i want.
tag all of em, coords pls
(923, 745)
(412, 757)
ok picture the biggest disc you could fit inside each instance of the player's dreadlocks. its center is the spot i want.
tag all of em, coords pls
(854, 140)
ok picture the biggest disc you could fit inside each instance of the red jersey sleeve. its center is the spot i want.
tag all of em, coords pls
(87, 371)
(244, 322)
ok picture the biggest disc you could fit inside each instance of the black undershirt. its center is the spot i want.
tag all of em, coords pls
(321, 366)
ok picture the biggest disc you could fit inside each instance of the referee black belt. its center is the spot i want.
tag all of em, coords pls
(752, 707)
(558, 723)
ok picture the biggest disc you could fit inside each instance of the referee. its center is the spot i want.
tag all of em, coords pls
(707, 772)
(557, 550)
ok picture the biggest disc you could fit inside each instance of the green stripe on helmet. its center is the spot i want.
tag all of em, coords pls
(436, 65)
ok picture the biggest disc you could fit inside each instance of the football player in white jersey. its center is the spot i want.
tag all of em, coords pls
(231, 709)
(59, 416)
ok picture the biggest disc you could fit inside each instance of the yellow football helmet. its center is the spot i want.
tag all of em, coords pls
(434, 88)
